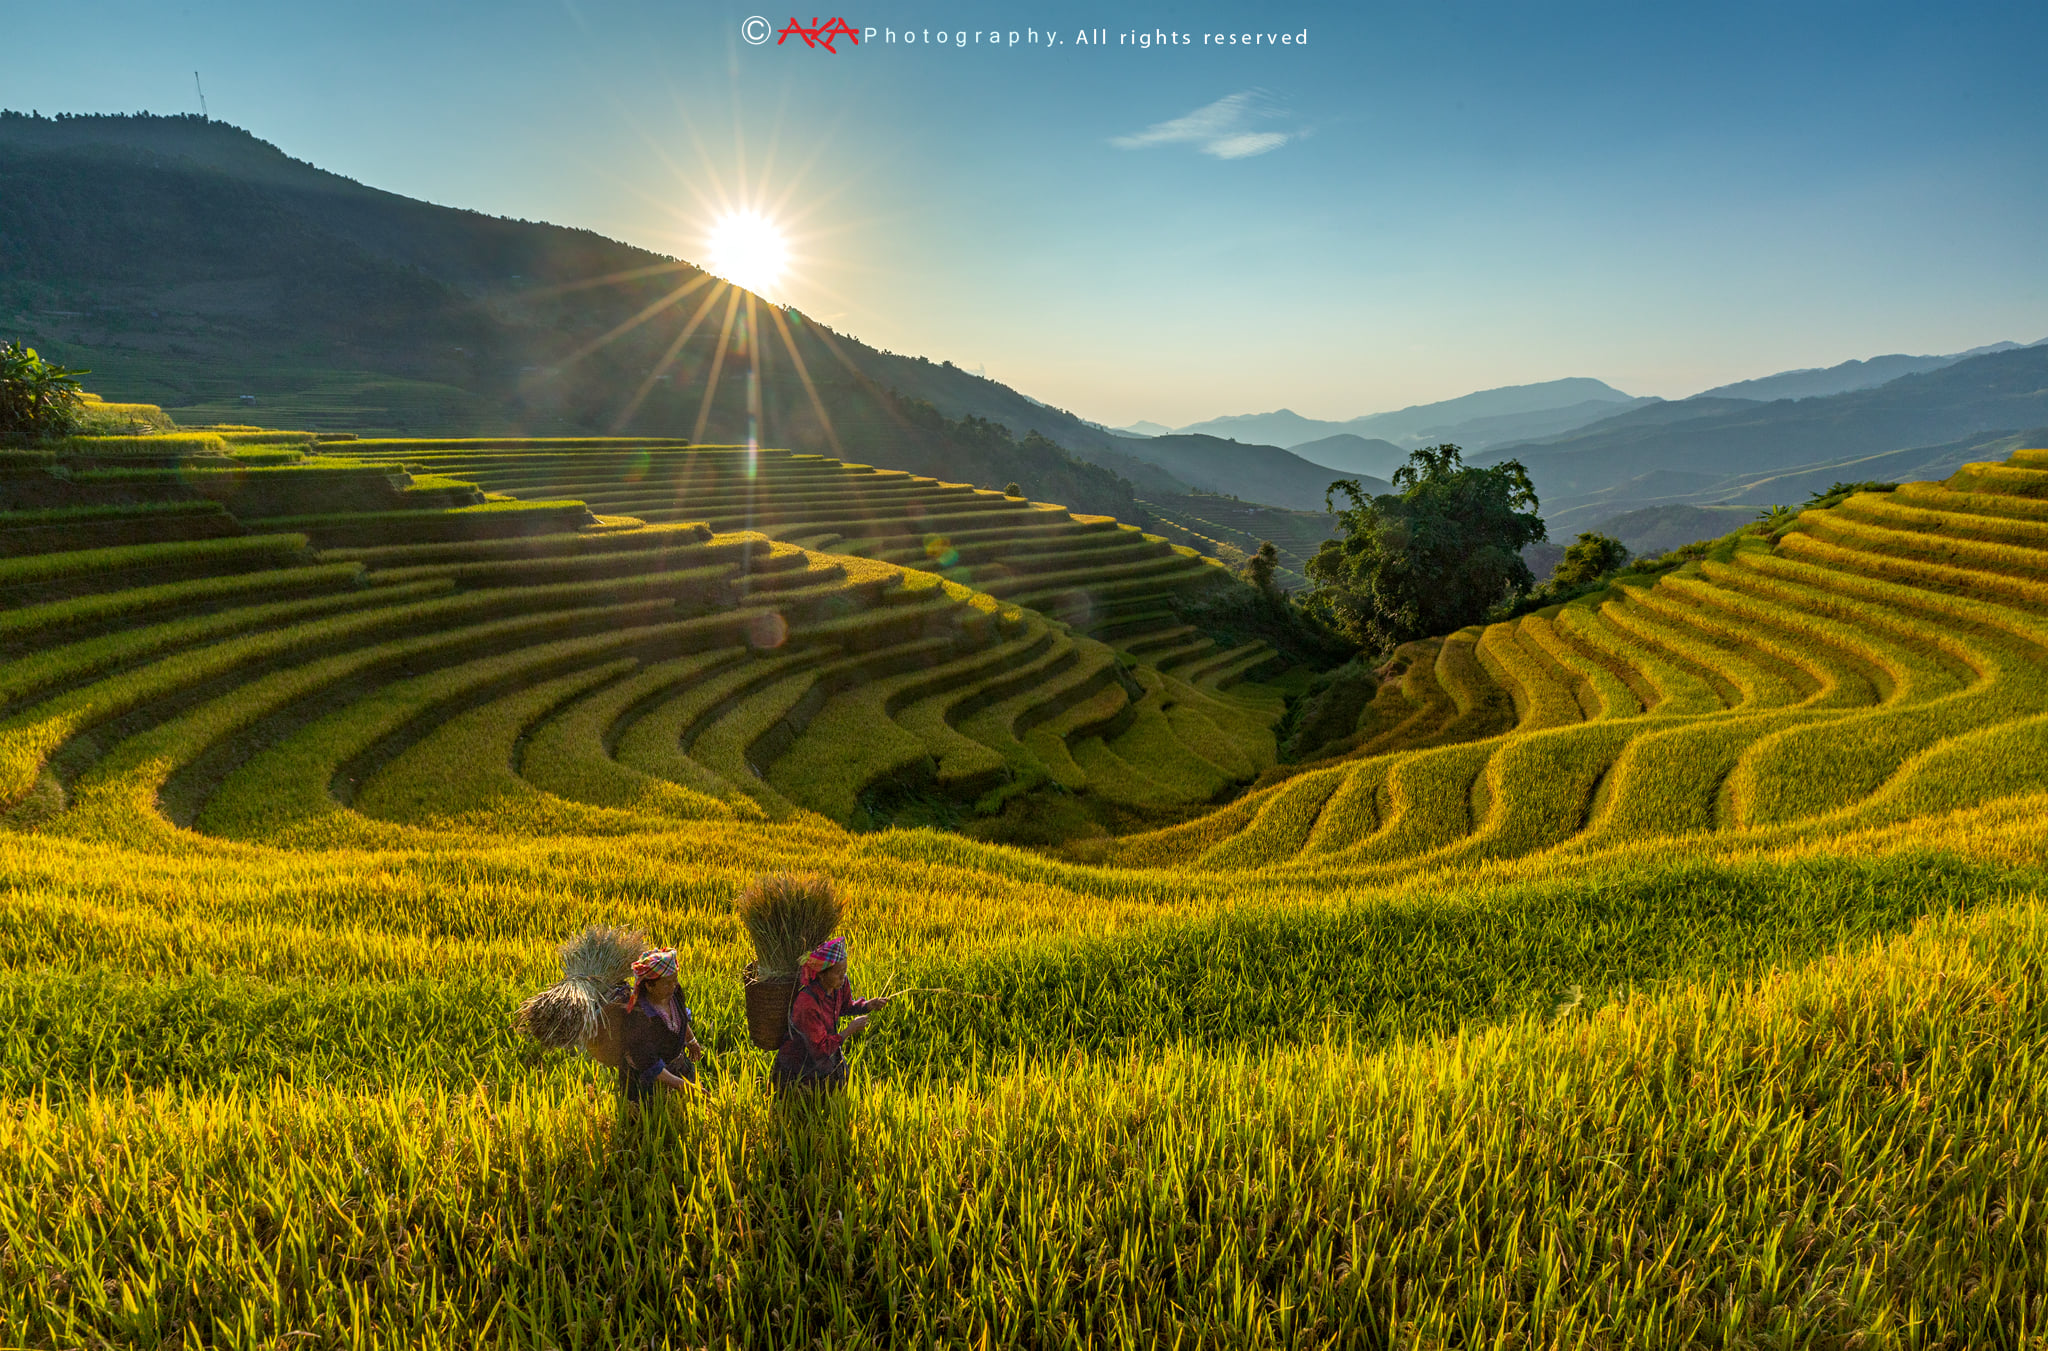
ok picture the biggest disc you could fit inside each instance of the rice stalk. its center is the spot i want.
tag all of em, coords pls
(567, 1013)
(788, 914)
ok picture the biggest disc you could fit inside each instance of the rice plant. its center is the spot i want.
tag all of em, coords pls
(1696, 1000)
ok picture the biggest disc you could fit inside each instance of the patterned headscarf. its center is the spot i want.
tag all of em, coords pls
(831, 952)
(652, 964)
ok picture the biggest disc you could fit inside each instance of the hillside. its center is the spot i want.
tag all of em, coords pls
(1256, 473)
(1816, 382)
(187, 264)
(799, 660)
(1700, 443)
(1870, 664)
(1352, 454)
(1206, 522)
(1733, 875)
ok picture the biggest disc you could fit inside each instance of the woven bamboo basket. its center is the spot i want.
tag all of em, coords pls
(604, 1045)
(768, 1000)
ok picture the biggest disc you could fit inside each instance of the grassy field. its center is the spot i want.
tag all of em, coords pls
(1667, 969)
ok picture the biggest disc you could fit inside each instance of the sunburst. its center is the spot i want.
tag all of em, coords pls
(748, 249)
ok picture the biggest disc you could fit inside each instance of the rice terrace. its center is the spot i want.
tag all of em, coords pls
(314, 753)
(554, 797)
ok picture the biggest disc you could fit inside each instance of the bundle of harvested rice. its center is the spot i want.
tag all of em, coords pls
(570, 1012)
(788, 914)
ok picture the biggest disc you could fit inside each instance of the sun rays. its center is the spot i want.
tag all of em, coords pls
(755, 237)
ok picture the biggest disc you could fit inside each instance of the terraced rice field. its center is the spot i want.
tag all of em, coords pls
(1881, 658)
(698, 668)
(1205, 521)
(1662, 970)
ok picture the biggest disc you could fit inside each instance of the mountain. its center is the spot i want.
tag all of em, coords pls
(1719, 449)
(1473, 421)
(1143, 429)
(1419, 424)
(1848, 376)
(1283, 427)
(1265, 474)
(1354, 454)
(188, 263)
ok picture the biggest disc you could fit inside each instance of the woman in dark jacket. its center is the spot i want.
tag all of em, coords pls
(658, 1044)
(813, 1054)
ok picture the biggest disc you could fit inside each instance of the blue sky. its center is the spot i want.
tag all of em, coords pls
(1421, 201)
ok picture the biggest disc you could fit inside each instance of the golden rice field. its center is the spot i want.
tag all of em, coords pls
(1666, 969)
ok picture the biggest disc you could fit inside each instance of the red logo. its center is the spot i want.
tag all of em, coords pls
(818, 35)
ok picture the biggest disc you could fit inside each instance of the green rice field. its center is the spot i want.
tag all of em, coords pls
(1664, 969)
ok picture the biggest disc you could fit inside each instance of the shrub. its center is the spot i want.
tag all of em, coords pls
(1588, 558)
(39, 400)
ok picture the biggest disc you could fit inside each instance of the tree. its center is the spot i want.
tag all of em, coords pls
(1430, 557)
(1012, 490)
(38, 400)
(1588, 559)
(1260, 568)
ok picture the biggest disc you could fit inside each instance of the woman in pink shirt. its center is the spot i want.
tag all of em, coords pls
(813, 1054)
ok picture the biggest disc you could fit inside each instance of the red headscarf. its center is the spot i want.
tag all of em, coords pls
(650, 965)
(831, 952)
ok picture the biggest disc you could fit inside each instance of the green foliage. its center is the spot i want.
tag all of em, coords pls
(1260, 567)
(1838, 493)
(1588, 565)
(39, 400)
(1329, 711)
(1240, 612)
(1433, 556)
(1588, 558)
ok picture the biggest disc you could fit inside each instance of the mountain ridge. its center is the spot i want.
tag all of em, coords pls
(1848, 376)
(1481, 417)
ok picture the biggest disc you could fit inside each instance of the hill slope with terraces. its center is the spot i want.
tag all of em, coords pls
(377, 645)
(1666, 969)
(1874, 661)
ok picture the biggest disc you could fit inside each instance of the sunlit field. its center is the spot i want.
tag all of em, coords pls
(1662, 969)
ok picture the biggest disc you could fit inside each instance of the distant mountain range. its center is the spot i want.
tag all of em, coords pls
(1596, 453)
(1845, 378)
(1355, 454)
(1661, 523)
(1704, 451)
(1474, 421)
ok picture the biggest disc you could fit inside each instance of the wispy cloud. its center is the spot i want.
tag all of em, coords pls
(1222, 129)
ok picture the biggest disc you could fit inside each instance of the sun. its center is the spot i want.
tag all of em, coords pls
(747, 249)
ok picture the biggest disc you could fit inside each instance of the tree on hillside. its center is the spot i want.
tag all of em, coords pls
(1432, 556)
(38, 400)
(1587, 559)
(1261, 566)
